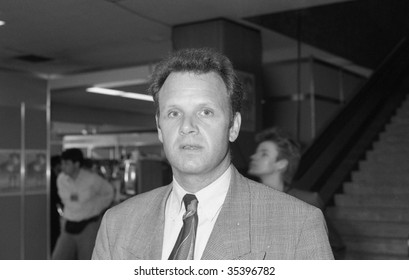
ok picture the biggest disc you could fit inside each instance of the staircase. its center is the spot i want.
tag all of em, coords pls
(372, 213)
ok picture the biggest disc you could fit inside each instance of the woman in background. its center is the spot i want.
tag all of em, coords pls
(275, 163)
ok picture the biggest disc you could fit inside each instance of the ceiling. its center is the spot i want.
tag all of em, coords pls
(74, 36)
(75, 43)
(363, 31)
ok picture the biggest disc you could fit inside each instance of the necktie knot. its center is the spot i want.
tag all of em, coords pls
(190, 202)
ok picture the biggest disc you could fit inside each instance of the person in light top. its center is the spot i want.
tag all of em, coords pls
(85, 197)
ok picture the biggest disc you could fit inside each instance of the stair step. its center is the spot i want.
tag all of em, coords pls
(394, 133)
(381, 214)
(381, 178)
(388, 147)
(375, 245)
(388, 158)
(402, 113)
(390, 200)
(394, 136)
(396, 126)
(398, 145)
(371, 228)
(388, 155)
(389, 166)
(381, 168)
(400, 120)
(388, 150)
(353, 255)
(366, 188)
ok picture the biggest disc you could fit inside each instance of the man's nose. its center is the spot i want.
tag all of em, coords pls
(189, 125)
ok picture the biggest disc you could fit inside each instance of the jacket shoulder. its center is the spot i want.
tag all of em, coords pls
(279, 202)
(139, 203)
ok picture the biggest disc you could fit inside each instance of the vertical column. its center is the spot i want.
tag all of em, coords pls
(242, 45)
(23, 149)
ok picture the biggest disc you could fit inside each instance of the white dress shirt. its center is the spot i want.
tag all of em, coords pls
(210, 199)
(85, 196)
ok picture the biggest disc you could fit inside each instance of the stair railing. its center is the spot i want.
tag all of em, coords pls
(332, 156)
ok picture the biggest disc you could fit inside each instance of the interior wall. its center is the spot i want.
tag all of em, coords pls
(23, 192)
(302, 97)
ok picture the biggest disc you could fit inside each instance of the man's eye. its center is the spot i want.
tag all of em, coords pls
(173, 114)
(206, 113)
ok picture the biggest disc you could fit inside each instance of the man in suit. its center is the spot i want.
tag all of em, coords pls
(198, 100)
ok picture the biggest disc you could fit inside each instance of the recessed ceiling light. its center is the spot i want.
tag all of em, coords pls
(120, 93)
(2, 22)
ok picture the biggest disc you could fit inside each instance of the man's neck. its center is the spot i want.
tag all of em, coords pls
(193, 183)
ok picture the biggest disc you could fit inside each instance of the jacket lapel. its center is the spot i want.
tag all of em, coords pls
(230, 238)
(150, 233)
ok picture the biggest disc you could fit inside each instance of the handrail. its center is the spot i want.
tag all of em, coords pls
(325, 154)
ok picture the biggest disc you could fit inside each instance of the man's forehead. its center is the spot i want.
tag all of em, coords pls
(178, 82)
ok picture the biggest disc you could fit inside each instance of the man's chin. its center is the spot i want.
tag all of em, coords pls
(191, 170)
(188, 167)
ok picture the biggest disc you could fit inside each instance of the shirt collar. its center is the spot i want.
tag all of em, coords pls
(210, 198)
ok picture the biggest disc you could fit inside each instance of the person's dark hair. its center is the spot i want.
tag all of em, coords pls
(287, 149)
(198, 61)
(55, 160)
(74, 154)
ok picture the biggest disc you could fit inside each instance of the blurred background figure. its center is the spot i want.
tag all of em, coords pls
(12, 169)
(36, 171)
(85, 196)
(55, 200)
(275, 163)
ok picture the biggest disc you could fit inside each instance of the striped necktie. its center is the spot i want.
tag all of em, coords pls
(185, 244)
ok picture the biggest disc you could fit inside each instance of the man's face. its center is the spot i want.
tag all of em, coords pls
(69, 167)
(194, 124)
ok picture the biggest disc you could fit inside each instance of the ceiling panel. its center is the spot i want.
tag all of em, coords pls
(80, 97)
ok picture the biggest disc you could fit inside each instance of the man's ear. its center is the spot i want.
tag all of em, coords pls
(282, 165)
(158, 128)
(235, 127)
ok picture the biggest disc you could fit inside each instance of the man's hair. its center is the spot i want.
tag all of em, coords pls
(198, 61)
(74, 154)
(55, 160)
(287, 149)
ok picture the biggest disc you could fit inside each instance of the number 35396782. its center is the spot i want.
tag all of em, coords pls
(246, 270)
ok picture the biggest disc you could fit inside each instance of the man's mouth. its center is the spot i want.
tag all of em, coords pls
(190, 147)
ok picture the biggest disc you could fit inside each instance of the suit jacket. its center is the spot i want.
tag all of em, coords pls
(312, 198)
(255, 222)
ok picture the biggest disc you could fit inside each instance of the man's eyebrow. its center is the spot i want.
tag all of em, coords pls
(170, 106)
(202, 104)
